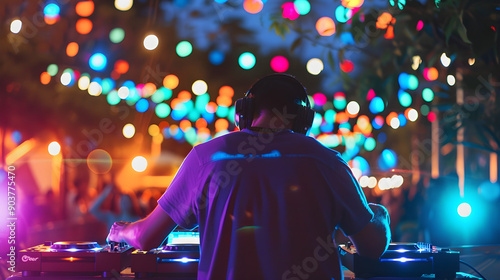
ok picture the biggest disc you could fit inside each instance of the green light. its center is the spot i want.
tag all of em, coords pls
(330, 116)
(246, 60)
(162, 110)
(194, 115)
(113, 97)
(52, 69)
(404, 98)
(107, 85)
(191, 136)
(412, 82)
(222, 111)
(424, 110)
(132, 97)
(201, 102)
(184, 49)
(427, 94)
(339, 103)
(161, 95)
(303, 6)
(117, 35)
(370, 144)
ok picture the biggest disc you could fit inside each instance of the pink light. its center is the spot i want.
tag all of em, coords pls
(420, 25)
(279, 64)
(319, 99)
(370, 95)
(290, 11)
(431, 116)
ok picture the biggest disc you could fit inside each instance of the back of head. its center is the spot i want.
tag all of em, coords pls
(277, 91)
(278, 94)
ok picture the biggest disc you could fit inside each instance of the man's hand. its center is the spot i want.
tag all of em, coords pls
(115, 233)
(373, 240)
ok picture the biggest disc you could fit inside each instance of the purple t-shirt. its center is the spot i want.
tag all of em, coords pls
(266, 205)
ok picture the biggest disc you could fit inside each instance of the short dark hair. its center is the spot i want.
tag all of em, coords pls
(277, 91)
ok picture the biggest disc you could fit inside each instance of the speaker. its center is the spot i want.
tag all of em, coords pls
(245, 107)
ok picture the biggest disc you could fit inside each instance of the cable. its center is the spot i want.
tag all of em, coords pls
(471, 267)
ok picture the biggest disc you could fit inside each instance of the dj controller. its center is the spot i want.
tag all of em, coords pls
(179, 259)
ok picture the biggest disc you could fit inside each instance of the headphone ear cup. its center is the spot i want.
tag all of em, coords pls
(304, 119)
(244, 108)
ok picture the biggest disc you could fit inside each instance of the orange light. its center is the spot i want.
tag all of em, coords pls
(163, 124)
(201, 123)
(224, 101)
(72, 49)
(351, 4)
(84, 8)
(171, 81)
(221, 125)
(115, 75)
(383, 20)
(390, 117)
(84, 26)
(175, 102)
(203, 130)
(45, 78)
(253, 6)
(211, 107)
(184, 95)
(184, 125)
(148, 90)
(390, 32)
(121, 66)
(325, 26)
(431, 74)
(341, 117)
(226, 91)
(51, 20)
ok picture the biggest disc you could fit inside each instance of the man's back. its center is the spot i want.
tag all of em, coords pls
(267, 205)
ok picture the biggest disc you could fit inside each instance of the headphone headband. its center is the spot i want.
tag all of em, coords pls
(273, 85)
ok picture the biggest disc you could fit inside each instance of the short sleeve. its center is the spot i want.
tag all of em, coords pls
(180, 197)
(356, 213)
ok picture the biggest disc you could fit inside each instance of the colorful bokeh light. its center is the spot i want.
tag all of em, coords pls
(98, 62)
(279, 64)
(116, 35)
(314, 66)
(84, 8)
(184, 48)
(246, 60)
(325, 26)
(253, 6)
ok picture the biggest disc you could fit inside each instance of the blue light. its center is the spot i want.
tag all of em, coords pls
(51, 10)
(347, 38)
(16, 137)
(376, 105)
(387, 159)
(382, 137)
(129, 84)
(142, 105)
(98, 62)
(402, 120)
(216, 57)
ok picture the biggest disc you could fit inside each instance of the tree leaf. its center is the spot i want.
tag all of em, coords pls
(331, 60)
(295, 44)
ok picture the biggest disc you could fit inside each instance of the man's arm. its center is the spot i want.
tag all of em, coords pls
(374, 238)
(145, 234)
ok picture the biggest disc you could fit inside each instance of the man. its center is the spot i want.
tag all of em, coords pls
(267, 199)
